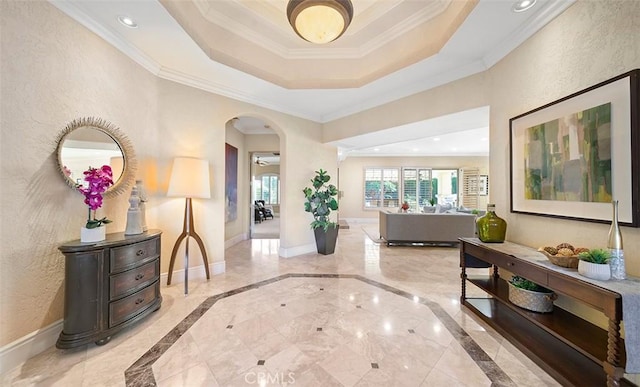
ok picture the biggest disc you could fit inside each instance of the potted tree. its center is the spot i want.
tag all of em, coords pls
(320, 201)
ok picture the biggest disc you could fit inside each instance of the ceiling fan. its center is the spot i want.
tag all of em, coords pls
(261, 163)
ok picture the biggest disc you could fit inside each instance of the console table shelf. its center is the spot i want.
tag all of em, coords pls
(571, 349)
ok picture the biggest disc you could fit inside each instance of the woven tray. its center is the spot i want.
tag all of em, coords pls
(564, 261)
(533, 301)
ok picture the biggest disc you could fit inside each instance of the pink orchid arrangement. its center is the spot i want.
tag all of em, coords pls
(99, 181)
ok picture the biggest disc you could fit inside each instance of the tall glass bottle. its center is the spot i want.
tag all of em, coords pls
(618, 270)
(491, 227)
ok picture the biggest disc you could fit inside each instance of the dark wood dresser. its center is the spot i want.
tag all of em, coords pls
(109, 285)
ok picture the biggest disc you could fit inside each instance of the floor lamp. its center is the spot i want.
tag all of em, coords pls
(189, 179)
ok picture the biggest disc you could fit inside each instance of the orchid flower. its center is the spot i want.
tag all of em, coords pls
(99, 181)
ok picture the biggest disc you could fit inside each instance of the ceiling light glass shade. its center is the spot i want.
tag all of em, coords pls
(319, 21)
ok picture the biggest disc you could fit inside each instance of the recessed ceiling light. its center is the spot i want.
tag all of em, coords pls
(523, 5)
(436, 139)
(127, 21)
(483, 139)
(376, 149)
(415, 149)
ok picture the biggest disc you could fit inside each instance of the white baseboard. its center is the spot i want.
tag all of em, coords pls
(297, 250)
(235, 240)
(26, 347)
(196, 272)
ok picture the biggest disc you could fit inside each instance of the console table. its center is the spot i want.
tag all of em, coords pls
(109, 285)
(569, 348)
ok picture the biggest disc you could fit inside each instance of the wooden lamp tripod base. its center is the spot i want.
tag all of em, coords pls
(187, 231)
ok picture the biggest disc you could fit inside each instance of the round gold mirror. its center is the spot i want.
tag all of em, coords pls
(93, 142)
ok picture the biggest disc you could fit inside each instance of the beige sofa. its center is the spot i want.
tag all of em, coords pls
(425, 228)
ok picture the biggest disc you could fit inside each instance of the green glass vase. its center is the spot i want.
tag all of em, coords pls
(491, 227)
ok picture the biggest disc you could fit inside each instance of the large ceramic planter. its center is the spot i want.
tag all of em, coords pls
(595, 271)
(326, 240)
(93, 234)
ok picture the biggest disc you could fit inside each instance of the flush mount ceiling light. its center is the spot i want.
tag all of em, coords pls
(523, 5)
(127, 21)
(319, 21)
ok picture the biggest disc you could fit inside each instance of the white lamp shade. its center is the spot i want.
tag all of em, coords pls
(189, 178)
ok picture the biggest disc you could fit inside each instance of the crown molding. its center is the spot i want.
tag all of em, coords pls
(233, 93)
(525, 32)
(156, 69)
(115, 40)
(427, 13)
(406, 90)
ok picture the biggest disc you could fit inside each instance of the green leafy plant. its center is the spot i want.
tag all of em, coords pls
(599, 256)
(432, 201)
(321, 200)
(525, 284)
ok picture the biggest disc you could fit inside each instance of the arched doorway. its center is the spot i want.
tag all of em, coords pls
(257, 147)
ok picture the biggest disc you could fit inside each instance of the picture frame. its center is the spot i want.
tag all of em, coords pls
(570, 158)
(483, 185)
(231, 183)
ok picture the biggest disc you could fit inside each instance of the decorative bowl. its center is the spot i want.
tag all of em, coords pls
(562, 260)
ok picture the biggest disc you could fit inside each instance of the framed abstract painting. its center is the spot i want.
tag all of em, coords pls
(572, 157)
(231, 183)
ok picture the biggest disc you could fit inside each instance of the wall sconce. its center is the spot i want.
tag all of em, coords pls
(189, 179)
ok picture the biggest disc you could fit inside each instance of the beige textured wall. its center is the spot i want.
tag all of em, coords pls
(352, 177)
(591, 42)
(52, 72)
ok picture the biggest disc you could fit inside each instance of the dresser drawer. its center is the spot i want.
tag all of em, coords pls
(124, 309)
(126, 257)
(134, 279)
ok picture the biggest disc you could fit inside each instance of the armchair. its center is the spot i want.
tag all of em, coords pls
(266, 211)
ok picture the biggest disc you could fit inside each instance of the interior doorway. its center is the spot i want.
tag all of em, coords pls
(265, 195)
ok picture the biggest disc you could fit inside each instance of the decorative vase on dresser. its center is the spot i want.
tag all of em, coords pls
(109, 285)
(491, 227)
(97, 234)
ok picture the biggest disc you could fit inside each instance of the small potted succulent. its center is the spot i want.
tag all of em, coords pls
(531, 296)
(594, 264)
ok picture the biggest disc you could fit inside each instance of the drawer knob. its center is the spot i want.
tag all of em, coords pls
(139, 301)
(139, 252)
(139, 276)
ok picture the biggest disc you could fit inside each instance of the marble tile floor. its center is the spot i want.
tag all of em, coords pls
(368, 315)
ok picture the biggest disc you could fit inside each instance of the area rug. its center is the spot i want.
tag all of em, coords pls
(373, 233)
